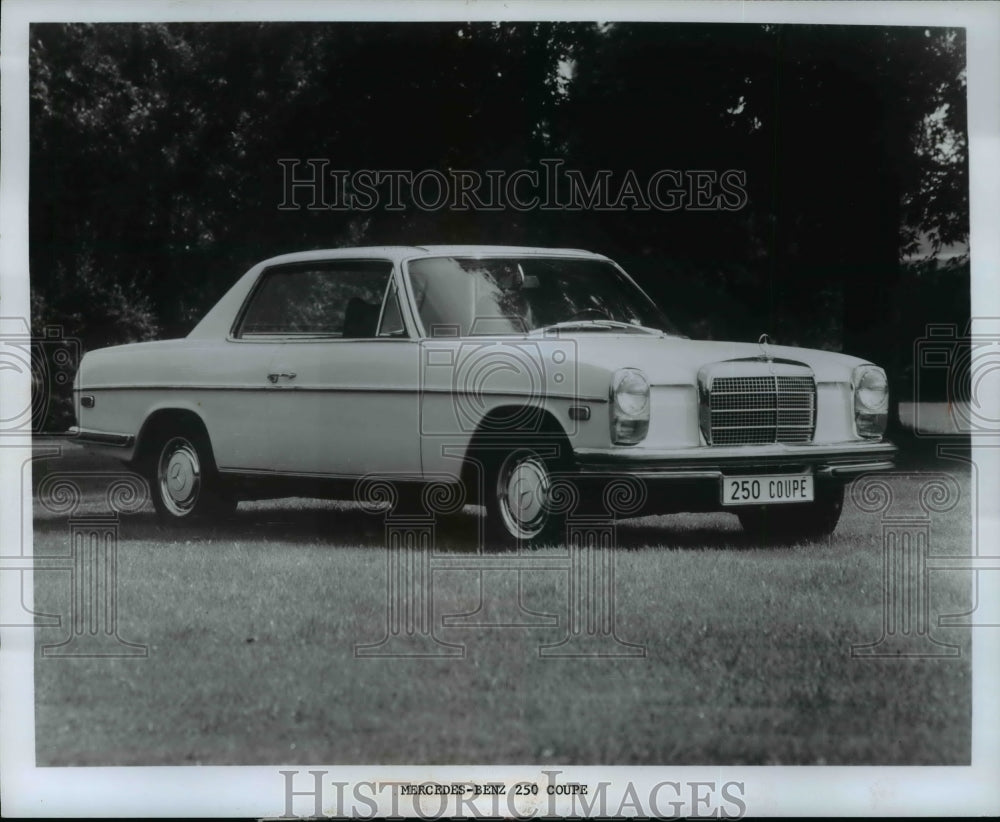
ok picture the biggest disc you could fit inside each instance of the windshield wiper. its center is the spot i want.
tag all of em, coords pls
(594, 325)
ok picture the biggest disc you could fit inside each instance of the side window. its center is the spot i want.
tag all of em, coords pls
(391, 324)
(322, 299)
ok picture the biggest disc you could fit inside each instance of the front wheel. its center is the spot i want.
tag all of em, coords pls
(801, 522)
(183, 479)
(518, 505)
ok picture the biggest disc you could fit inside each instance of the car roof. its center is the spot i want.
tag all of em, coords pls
(402, 252)
(217, 322)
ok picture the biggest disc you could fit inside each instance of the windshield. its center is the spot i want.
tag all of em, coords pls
(465, 296)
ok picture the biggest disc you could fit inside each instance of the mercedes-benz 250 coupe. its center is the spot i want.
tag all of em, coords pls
(504, 372)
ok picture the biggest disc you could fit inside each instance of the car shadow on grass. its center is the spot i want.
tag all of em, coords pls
(307, 522)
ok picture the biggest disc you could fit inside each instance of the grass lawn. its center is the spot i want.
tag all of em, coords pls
(251, 628)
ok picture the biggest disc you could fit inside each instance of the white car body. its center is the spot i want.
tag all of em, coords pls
(408, 407)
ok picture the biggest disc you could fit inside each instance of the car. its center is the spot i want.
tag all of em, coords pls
(506, 374)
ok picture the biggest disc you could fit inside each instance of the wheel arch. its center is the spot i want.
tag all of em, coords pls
(165, 419)
(492, 435)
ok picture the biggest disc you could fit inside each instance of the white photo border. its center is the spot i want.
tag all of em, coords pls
(258, 791)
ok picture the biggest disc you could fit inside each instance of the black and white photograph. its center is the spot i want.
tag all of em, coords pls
(499, 410)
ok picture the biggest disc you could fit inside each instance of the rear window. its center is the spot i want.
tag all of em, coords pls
(323, 299)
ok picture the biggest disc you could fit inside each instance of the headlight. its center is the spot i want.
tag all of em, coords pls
(629, 406)
(871, 400)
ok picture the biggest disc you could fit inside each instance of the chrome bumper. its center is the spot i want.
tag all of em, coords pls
(102, 438)
(837, 460)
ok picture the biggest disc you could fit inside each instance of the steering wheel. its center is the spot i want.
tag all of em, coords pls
(594, 313)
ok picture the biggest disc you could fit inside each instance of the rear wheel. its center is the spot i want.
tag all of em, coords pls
(183, 478)
(800, 522)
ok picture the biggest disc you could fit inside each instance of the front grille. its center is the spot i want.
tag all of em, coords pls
(761, 410)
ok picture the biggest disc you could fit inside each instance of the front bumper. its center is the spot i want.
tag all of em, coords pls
(691, 479)
(833, 460)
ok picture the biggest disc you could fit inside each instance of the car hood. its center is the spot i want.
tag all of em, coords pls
(670, 360)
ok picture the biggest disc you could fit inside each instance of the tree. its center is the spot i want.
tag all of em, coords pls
(156, 181)
(853, 143)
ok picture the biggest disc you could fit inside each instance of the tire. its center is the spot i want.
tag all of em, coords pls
(183, 479)
(518, 509)
(801, 522)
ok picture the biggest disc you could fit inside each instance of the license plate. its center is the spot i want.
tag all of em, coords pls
(767, 489)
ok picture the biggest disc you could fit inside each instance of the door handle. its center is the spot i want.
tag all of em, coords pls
(281, 375)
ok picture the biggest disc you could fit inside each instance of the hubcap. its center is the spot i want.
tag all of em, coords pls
(178, 474)
(522, 491)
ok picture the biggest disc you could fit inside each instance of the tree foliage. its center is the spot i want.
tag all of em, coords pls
(155, 178)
